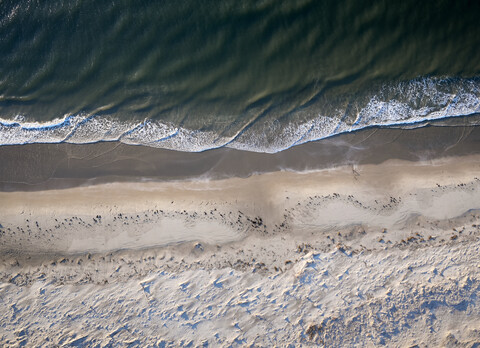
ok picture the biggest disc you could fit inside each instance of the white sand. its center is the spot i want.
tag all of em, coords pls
(379, 254)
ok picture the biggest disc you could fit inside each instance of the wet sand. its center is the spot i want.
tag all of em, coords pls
(54, 166)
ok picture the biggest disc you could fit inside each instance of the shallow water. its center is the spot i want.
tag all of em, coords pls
(258, 76)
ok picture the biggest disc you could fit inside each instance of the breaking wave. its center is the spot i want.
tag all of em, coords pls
(411, 103)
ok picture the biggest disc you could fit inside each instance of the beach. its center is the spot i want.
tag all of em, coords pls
(360, 254)
(239, 174)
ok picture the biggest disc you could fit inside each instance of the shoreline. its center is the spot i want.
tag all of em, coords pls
(38, 167)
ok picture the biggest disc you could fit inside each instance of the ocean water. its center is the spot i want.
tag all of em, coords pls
(260, 76)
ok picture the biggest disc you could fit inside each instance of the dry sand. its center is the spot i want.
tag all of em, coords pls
(363, 255)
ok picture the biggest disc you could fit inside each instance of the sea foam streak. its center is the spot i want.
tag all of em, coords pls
(411, 103)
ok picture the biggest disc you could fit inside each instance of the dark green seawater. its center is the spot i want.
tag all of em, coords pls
(255, 75)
